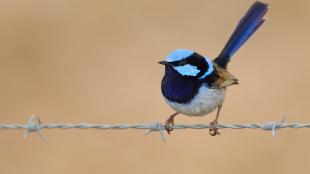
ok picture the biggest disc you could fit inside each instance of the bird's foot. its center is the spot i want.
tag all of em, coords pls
(213, 128)
(169, 125)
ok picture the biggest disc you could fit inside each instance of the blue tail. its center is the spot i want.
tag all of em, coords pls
(251, 21)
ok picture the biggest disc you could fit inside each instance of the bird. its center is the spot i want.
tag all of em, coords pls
(195, 85)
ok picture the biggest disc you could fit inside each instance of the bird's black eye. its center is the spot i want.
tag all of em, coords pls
(182, 63)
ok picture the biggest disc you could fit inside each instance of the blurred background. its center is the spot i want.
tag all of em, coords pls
(71, 61)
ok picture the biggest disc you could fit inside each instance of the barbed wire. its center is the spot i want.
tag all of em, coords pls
(35, 125)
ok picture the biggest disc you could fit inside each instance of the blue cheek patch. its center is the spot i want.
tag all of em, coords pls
(210, 69)
(187, 70)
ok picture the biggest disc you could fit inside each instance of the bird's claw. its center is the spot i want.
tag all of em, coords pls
(169, 125)
(213, 129)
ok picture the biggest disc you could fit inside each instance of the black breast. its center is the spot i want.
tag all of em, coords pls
(177, 88)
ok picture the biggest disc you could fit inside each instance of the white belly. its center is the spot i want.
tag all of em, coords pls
(206, 101)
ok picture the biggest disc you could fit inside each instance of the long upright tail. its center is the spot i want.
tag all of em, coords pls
(250, 22)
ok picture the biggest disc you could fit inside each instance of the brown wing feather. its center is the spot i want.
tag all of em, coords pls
(225, 78)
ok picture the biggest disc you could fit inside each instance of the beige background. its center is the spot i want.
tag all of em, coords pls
(81, 61)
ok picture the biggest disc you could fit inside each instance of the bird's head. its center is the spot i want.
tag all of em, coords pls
(188, 64)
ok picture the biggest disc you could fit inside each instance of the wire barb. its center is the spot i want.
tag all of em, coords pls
(34, 125)
(156, 126)
(272, 126)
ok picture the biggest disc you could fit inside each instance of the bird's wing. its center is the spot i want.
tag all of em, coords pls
(224, 79)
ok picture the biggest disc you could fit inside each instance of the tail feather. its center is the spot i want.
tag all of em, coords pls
(247, 26)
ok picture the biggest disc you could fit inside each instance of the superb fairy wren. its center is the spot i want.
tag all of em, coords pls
(194, 85)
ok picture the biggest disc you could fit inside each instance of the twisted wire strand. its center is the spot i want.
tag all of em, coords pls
(35, 125)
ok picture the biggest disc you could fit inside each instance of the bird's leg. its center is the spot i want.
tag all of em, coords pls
(213, 129)
(170, 122)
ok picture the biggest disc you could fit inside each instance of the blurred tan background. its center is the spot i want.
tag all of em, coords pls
(96, 61)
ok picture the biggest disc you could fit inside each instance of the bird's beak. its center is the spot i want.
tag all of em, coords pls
(163, 62)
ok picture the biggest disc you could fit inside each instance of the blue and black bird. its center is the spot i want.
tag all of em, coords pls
(194, 85)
